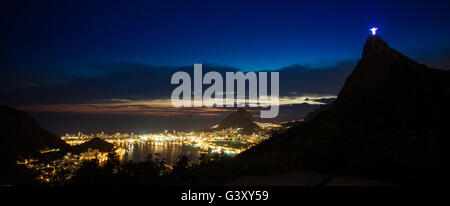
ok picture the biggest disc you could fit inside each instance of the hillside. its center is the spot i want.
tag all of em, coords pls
(388, 122)
(241, 118)
(21, 135)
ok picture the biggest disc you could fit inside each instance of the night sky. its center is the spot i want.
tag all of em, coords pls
(70, 62)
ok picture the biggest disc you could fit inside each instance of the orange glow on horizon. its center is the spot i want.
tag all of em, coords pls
(158, 107)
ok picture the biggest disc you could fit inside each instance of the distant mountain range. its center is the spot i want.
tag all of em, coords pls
(390, 121)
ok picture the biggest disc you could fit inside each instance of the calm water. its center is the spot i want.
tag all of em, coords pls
(138, 152)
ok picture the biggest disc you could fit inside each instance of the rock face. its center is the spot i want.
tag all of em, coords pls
(239, 119)
(389, 91)
(21, 135)
(389, 122)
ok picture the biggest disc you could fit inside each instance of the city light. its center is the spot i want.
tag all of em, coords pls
(229, 142)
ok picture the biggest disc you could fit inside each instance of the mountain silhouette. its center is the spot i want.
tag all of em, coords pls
(239, 119)
(94, 143)
(388, 122)
(21, 135)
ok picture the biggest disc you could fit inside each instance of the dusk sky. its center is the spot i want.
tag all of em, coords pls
(101, 58)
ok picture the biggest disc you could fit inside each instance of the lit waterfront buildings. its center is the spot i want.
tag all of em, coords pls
(227, 142)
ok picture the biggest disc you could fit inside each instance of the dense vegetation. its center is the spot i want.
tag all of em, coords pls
(155, 171)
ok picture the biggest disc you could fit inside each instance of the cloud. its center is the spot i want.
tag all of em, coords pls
(140, 89)
(120, 81)
(298, 80)
(131, 97)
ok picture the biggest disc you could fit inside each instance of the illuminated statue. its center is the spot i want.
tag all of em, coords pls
(374, 30)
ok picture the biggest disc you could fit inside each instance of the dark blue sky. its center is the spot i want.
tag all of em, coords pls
(117, 56)
(68, 37)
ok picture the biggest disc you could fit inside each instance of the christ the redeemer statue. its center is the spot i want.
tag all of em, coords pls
(374, 30)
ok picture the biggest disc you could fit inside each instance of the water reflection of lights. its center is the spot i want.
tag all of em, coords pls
(166, 145)
(206, 142)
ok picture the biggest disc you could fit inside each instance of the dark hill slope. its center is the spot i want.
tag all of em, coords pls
(21, 135)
